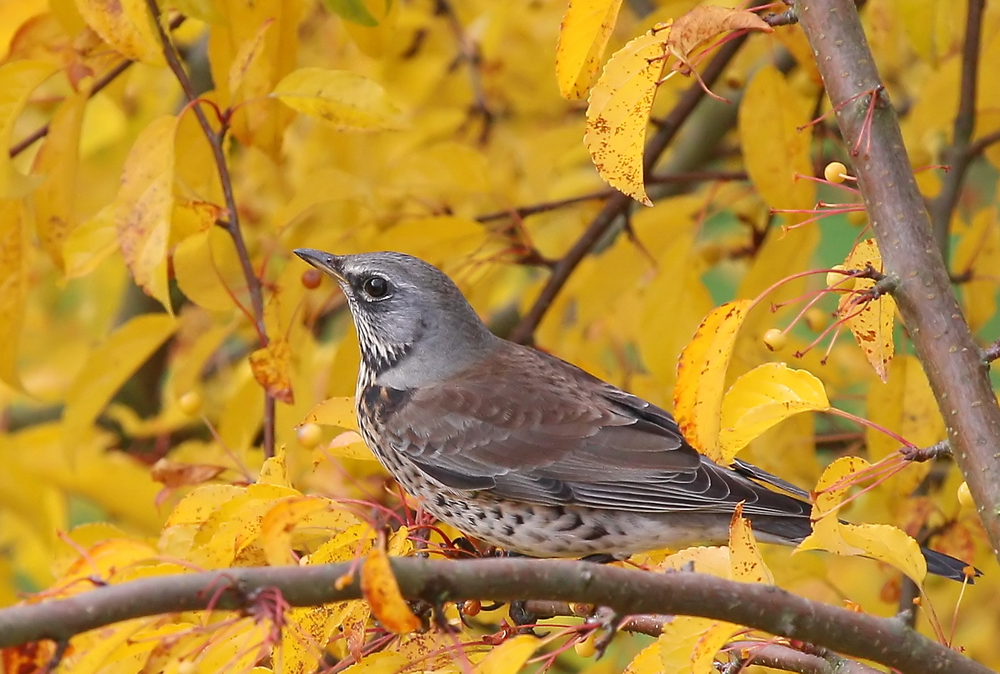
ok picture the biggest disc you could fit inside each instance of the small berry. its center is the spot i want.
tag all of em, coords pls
(816, 319)
(835, 172)
(309, 435)
(857, 218)
(190, 403)
(775, 339)
(586, 648)
(965, 496)
(472, 607)
(837, 280)
(311, 278)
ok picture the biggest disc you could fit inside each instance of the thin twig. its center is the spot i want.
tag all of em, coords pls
(106, 79)
(958, 155)
(469, 52)
(524, 331)
(232, 225)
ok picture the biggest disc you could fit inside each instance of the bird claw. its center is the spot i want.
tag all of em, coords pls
(607, 619)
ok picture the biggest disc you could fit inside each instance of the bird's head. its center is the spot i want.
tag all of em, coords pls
(414, 325)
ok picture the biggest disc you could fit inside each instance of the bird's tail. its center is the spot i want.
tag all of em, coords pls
(947, 566)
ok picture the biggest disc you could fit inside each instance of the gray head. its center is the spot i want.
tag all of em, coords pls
(414, 325)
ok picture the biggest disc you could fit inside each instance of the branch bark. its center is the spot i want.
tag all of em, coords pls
(883, 640)
(944, 344)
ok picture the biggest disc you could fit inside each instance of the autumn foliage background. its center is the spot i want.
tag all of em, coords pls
(155, 345)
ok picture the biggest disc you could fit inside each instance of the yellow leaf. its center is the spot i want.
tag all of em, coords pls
(701, 375)
(877, 541)
(619, 108)
(337, 411)
(381, 591)
(906, 405)
(348, 101)
(746, 563)
(510, 656)
(126, 25)
(977, 252)
(13, 288)
(90, 243)
(208, 270)
(247, 56)
(144, 205)
(275, 470)
(17, 80)
(271, 367)
(688, 644)
(763, 397)
(257, 120)
(279, 522)
(58, 158)
(774, 150)
(870, 320)
(108, 367)
(348, 445)
(648, 661)
(583, 37)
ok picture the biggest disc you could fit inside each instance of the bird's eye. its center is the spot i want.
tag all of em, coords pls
(375, 287)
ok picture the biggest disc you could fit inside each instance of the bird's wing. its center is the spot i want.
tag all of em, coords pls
(531, 427)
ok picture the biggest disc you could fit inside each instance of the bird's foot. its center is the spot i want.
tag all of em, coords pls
(607, 620)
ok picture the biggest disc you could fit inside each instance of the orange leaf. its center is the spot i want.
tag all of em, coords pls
(379, 586)
(701, 375)
(583, 37)
(702, 23)
(870, 320)
(271, 367)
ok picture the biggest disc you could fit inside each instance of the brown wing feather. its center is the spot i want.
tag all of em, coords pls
(527, 426)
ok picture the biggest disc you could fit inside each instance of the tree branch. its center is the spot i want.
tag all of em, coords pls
(959, 155)
(629, 591)
(619, 203)
(232, 224)
(942, 339)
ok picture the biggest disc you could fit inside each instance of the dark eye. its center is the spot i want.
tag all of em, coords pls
(375, 287)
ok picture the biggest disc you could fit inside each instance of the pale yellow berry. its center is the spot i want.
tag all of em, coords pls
(816, 319)
(775, 339)
(965, 496)
(190, 403)
(586, 648)
(857, 218)
(837, 280)
(835, 172)
(309, 435)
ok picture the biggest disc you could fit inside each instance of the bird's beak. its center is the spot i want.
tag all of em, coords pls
(331, 264)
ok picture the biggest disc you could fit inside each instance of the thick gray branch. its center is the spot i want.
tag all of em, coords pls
(628, 591)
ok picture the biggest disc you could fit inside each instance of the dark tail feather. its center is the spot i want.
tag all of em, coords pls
(946, 566)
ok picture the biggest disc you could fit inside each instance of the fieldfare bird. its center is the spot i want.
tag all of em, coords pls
(525, 451)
